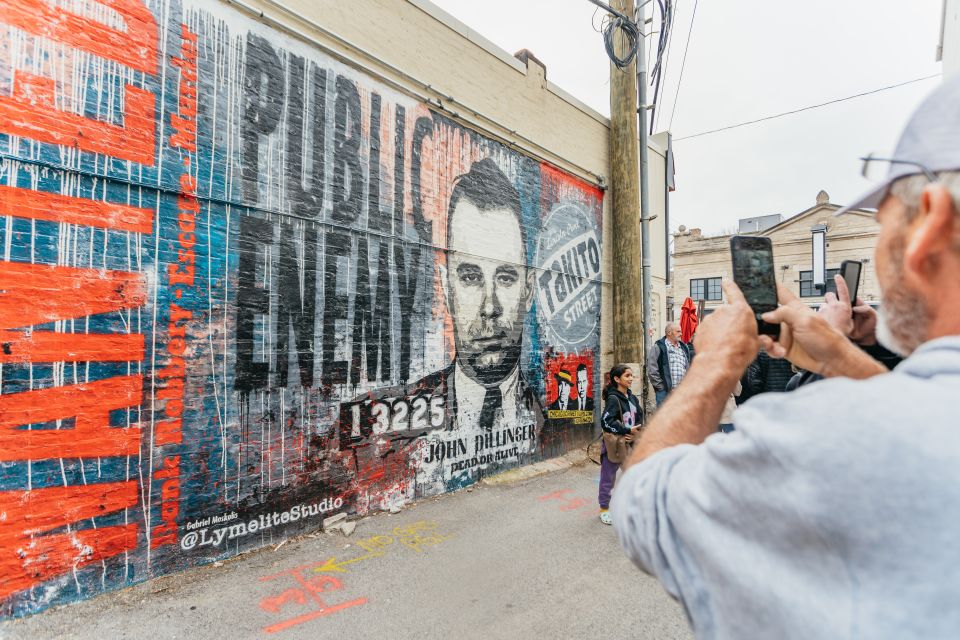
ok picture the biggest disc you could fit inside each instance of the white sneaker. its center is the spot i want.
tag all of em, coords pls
(606, 518)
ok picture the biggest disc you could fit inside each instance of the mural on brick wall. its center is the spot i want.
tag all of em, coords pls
(244, 286)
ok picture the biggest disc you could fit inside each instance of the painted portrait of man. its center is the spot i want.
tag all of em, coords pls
(564, 384)
(490, 414)
(489, 291)
(583, 401)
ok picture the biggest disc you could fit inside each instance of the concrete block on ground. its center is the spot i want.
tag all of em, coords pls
(331, 522)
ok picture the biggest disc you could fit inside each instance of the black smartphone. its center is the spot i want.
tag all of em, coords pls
(753, 273)
(850, 270)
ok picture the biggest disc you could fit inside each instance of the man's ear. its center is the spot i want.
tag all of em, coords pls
(530, 287)
(931, 233)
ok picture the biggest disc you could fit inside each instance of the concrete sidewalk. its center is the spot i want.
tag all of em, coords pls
(520, 556)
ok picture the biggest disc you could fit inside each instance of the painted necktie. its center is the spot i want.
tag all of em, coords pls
(492, 400)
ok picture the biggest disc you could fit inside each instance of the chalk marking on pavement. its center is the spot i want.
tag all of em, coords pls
(312, 588)
(376, 546)
(416, 537)
(570, 503)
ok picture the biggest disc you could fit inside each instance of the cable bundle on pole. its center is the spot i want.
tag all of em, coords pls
(631, 34)
(614, 24)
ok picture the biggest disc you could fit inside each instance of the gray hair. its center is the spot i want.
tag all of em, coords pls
(668, 326)
(908, 190)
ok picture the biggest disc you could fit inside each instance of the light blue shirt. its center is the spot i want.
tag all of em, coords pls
(831, 512)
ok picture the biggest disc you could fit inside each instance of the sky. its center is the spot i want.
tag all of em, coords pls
(746, 60)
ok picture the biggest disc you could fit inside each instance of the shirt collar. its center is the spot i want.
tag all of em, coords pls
(470, 393)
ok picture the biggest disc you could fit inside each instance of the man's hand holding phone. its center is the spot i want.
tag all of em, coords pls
(809, 341)
(858, 323)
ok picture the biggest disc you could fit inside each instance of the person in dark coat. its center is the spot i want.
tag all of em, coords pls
(766, 374)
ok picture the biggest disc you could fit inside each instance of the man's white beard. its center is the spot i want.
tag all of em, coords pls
(902, 321)
(885, 336)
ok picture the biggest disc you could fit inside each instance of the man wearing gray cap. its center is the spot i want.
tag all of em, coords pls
(832, 511)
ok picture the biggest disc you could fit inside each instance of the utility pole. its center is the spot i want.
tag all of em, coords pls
(624, 187)
(631, 245)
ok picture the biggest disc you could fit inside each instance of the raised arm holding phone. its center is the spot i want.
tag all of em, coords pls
(831, 511)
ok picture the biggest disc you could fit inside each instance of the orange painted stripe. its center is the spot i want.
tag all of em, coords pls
(135, 46)
(57, 403)
(41, 205)
(46, 346)
(31, 113)
(35, 293)
(28, 558)
(89, 402)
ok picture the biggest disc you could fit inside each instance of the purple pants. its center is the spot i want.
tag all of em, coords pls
(608, 474)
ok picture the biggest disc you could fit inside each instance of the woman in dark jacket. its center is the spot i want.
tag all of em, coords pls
(621, 420)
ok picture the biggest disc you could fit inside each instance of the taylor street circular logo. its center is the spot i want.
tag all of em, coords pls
(568, 278)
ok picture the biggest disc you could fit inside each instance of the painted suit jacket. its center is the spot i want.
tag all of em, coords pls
(415, 409)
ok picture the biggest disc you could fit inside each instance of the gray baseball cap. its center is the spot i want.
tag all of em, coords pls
(931, 139)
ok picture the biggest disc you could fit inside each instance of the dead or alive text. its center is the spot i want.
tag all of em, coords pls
(486, 458)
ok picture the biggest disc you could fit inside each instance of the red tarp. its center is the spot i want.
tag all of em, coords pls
(688, 319)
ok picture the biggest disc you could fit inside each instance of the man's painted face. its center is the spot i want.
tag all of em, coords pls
(488, 296)
(582, 383)
(563, 389)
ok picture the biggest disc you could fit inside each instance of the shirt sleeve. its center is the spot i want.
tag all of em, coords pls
(694, 515)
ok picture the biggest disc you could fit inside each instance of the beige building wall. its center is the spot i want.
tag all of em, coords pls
(851, 236)
(432, 56)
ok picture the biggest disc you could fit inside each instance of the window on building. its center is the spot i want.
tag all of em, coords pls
(705, 289)
(809, 290)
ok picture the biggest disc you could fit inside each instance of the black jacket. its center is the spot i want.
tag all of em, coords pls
(766, 374)
(612, 419)
(876, 351)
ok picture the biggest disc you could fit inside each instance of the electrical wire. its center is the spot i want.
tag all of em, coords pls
(683, 65)
(593, 21)
(666, 70)
(629, 32)
(813, 106)
(619, 24)
(659, 68)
